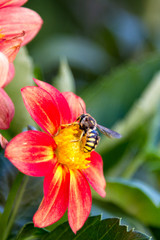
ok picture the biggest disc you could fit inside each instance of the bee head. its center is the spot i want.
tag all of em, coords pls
(80, 117)
(86, 122)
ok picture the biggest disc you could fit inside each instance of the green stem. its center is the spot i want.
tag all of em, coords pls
(9, 203)
(7, 214)
(134, 165)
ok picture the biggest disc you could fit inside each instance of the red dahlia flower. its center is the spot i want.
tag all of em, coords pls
(58, 155)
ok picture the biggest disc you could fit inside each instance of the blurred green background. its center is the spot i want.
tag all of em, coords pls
(107, 52)
(96, 37)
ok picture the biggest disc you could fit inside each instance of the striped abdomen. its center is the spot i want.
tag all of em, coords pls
(92, 139)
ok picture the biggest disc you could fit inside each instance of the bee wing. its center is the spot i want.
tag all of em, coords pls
(108, 132)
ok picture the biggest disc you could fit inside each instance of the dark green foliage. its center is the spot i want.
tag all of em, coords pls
(93, 229)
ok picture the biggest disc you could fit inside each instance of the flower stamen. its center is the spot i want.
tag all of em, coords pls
(70, 148)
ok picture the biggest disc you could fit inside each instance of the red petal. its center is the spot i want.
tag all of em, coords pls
(5, 3)
(61, 102)
(80, 200)
(94, 174)
(15, 20)
(11, 73)
(76, 104)
(42, 108)
(4, 67)
(32, 152)
(3, 141)
(6, 110)
(55, 202)
(11, 47)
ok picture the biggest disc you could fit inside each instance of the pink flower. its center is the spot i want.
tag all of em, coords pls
(18, 26)
(58, 155)
(6, 105)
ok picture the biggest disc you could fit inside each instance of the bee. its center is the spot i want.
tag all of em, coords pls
(89, 125)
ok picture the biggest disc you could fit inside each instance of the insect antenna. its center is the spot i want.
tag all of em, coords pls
(81, 106)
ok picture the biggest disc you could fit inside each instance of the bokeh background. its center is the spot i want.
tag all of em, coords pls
(97, 38)
(107, 52)
(94, 36)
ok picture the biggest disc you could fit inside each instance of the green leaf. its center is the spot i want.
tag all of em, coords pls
(110, 210)
(65, 80)
(29, 232)
(64, 231)
(153, 159)
(7, 176)
(135, 129)
(94, 229)
(136, 198)
(138, 135)
(153, 145)
(31, 199)
(23, 77)
(112, 230)
(142, 110)
(10, 211)
(114, 89)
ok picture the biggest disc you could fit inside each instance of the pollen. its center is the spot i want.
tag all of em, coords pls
(70, 150)
(1, 35)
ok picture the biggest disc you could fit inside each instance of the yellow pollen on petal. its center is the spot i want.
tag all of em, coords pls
(69, 150)
(1, 35)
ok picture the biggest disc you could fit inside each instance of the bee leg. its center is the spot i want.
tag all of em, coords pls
(69, 124)
(82, 134)
(66, 125)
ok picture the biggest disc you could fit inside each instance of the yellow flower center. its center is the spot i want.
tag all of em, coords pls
(69, 150)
